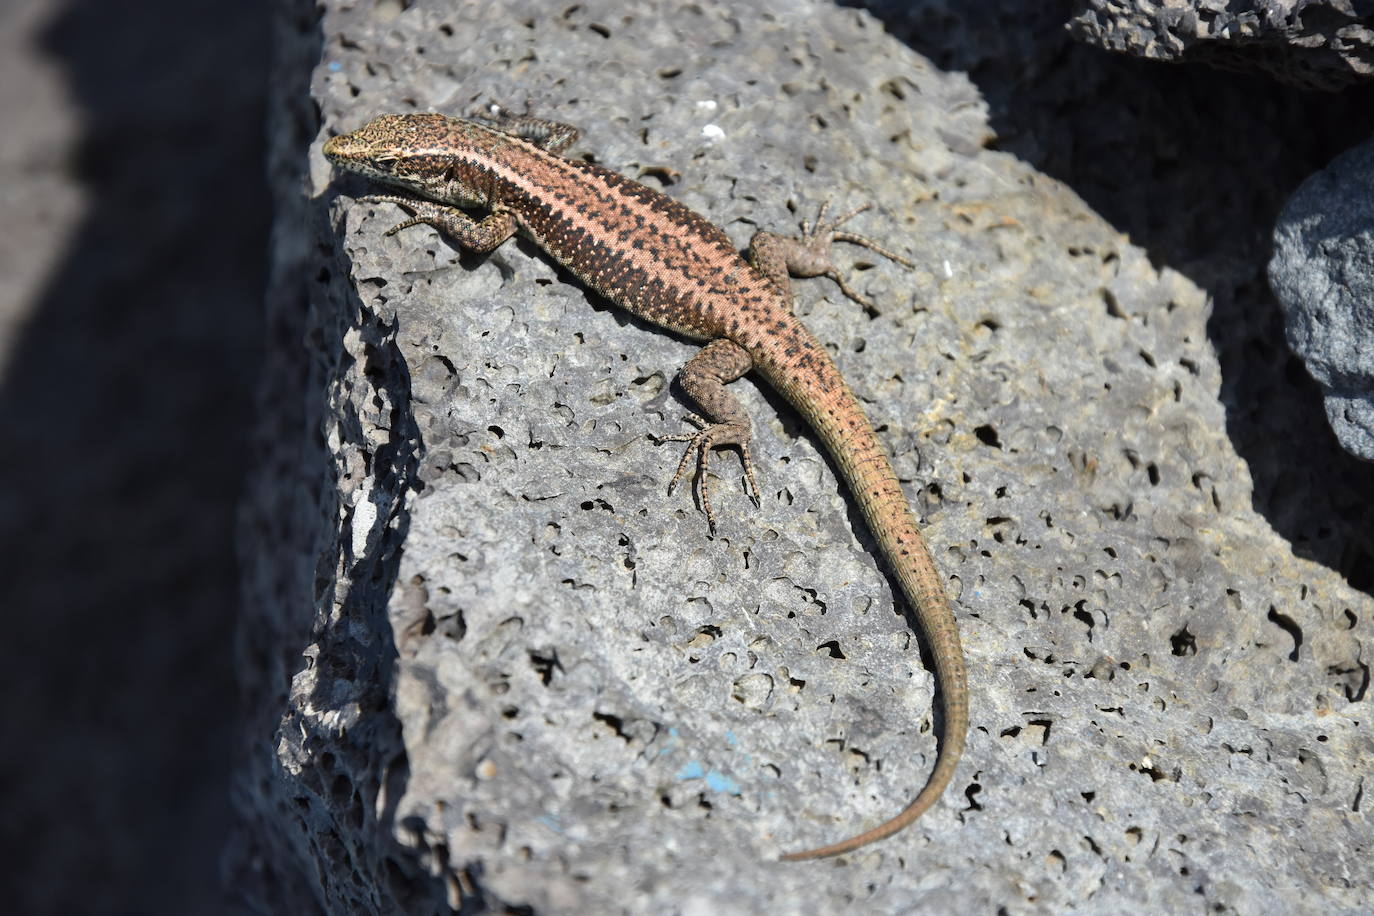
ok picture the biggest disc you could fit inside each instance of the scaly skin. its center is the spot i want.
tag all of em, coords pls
(656, 258)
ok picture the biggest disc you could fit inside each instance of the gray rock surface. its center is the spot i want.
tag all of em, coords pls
(1323, 273)
(1322, 44)
(533, 680)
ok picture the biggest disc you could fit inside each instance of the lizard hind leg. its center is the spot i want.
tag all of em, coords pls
(725, 422)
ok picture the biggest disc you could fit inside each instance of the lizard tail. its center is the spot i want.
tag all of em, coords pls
(836, 416)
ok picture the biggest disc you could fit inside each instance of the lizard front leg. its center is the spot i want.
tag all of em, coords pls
(553, 136)
(479, 236)
(704, 379)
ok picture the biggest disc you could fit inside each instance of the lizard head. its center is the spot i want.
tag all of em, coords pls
(410, 151)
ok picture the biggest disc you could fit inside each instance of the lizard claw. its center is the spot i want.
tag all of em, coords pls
(702, 444)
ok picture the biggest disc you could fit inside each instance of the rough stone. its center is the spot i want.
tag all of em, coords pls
(1320, 44)
(532, 680)
(1323, 273)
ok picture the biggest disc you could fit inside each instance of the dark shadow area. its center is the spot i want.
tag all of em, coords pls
(127, 408)
(1194, 164)
(358, 775)
(320, 765)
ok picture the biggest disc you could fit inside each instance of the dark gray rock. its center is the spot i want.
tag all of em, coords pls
(1322, 44)
(1323, 274)
(131, 326)
(502, 669)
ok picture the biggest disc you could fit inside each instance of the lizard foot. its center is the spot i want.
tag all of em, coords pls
(810, 255)
(708, 437)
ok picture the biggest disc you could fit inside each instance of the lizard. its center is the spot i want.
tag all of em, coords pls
(660, 260)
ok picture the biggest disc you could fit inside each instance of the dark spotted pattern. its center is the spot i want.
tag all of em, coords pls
(651, 255)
